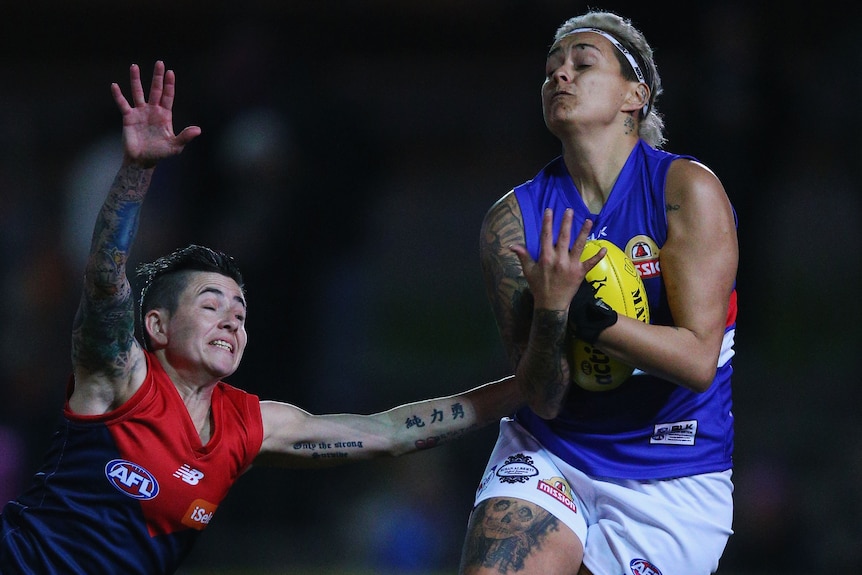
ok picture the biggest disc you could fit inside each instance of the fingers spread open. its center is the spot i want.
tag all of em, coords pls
(137, 90)
(156, 85)
(169, 90)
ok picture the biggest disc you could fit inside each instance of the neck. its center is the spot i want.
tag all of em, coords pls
(594, 166)
(196, 394)
(198, 402)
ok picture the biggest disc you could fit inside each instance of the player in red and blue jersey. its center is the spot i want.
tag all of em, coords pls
(635, 478)
(151, 437)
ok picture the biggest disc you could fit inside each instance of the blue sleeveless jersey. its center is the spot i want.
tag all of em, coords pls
(130, 491)
(647, 428)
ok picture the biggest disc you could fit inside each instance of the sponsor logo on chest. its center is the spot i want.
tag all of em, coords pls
(131, 479)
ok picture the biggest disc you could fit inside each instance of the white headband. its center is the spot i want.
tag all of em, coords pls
(634, 64)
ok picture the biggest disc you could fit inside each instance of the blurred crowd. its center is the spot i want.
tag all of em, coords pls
(349, 152)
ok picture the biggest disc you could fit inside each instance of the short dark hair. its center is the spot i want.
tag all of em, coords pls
(165, 278)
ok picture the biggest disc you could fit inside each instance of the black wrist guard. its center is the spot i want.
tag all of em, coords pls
(589, 315)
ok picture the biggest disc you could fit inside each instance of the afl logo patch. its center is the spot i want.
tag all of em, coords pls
(643, 567)
(131, 479)
(517, 469)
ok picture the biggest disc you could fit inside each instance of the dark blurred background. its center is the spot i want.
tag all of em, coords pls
(349, 153)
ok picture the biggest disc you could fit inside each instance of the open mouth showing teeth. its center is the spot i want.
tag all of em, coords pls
(223, 345)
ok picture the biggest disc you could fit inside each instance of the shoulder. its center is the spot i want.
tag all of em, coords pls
(285, 424)
(279, 413)
(688, 178)
(235, 393)
(96, 392)
(241, 413)
(240, 399)
(503, 224)
(505, 207)
(694, 194)
(696, 202)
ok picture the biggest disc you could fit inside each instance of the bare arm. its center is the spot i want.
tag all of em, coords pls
(296, 438)
(107, 361)
(698, 263)
(531, 298)
(505, 284)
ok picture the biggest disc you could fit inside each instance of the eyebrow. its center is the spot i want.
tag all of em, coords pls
(557, 48)
(210, 289)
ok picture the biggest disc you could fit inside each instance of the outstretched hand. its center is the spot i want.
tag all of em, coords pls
(555, 277)
(148, 131)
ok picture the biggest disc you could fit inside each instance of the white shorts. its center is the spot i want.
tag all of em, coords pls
(667, 527)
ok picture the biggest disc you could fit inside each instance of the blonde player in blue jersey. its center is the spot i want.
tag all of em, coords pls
(634, 479)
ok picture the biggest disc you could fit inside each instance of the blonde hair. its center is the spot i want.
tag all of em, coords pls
(651, 126)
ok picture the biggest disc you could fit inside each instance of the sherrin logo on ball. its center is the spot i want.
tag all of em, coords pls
(617, 282)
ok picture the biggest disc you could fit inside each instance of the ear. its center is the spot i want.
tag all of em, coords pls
(637, 98)
(156, 323)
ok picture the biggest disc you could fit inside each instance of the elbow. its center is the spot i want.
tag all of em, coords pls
(694, 367)
(546, 407)
(395, 452)
(389, 450)
(545, 411)
(396, 445)
(701, 377)
(699, 386)
(544, 398)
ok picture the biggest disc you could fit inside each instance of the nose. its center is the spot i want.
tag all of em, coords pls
(561, 73)
(557, 78)
(230, 323)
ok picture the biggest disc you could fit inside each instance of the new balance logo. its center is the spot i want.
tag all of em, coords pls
(189, 475)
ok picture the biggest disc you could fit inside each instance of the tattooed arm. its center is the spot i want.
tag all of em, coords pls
(107, 361)
(531, 299)
(505, 284)
(296, 438)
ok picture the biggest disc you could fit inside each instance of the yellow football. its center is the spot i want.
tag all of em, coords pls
(617, 282)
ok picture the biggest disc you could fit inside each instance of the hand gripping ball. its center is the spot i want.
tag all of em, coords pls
(617, 282)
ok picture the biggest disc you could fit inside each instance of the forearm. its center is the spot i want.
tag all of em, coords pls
(430, 423)
(543, 372)
(104, 324)
(114, 232)
(117, 221)
(295, 438)
(673, 353)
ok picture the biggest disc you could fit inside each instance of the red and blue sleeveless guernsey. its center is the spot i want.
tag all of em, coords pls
(647, 428)
(130, 491)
